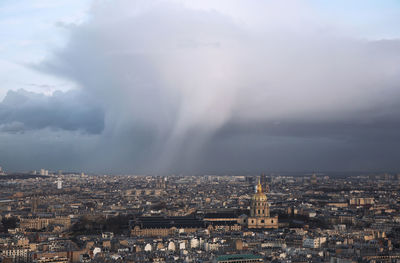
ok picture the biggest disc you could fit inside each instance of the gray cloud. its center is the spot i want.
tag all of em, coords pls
(22, 110)
(205, 88)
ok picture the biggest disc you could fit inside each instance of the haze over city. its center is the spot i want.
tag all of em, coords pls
(176, 86)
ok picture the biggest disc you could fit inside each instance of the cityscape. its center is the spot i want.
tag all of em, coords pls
(199, 131)
(76, 217)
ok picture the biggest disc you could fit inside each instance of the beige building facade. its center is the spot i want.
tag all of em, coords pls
(259, 211)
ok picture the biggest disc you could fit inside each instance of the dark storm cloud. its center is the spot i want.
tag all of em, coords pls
(22, 110)
(199, 88)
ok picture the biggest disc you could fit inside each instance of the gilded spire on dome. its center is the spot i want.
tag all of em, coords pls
(259, 187)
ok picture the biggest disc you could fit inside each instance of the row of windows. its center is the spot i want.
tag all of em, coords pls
(262, 221)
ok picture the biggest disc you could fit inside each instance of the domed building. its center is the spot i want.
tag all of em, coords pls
(259, 211)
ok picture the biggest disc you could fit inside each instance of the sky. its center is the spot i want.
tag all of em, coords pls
(201, 86)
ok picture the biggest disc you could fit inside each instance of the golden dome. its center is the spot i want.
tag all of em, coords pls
(259, 195)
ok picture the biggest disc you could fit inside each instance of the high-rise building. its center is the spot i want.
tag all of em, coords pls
(59, 184)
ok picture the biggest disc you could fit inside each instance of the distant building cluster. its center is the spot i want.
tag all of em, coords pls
(73, 217)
